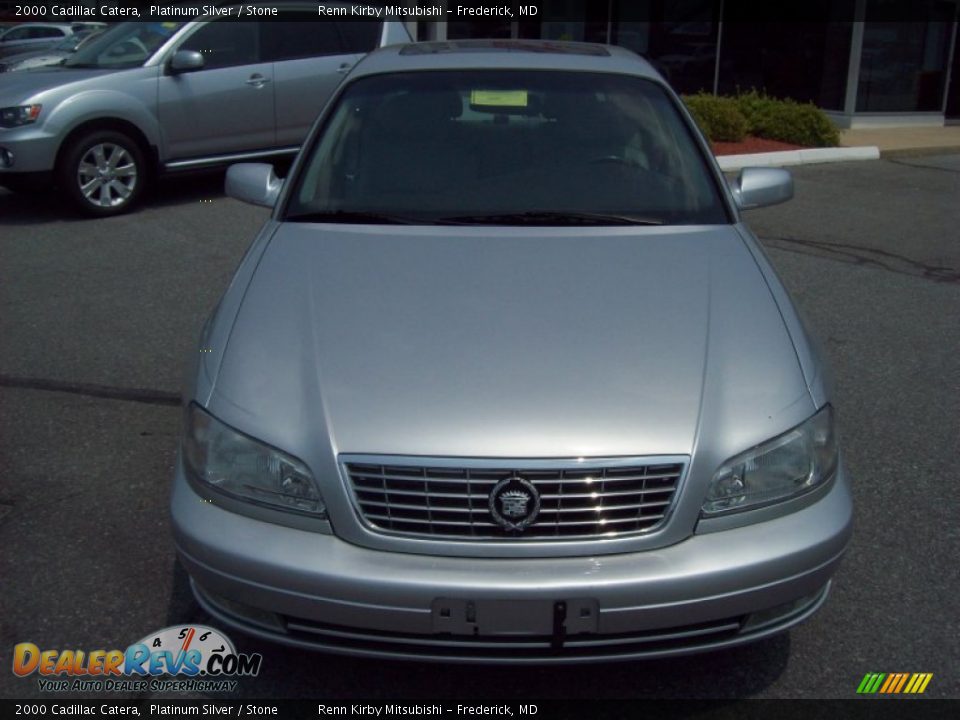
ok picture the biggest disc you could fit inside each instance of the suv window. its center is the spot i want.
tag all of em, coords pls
(124, 45)
(292, 40)
(226, 43)
(47, 32)
(21, 33)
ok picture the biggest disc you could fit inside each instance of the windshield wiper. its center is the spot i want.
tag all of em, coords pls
(359, 217)
(548, 217)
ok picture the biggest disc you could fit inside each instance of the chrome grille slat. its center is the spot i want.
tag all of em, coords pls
(467, 523)
(545, 496)
(420, 478)
(605, 508)
(401, 506)
(561, 478)
(420, 493)
(607, 521)
(453, 523)
(448, 501)
(587, 496)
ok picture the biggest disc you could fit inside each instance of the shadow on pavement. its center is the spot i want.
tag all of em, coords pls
(170, 191)
(47, 207)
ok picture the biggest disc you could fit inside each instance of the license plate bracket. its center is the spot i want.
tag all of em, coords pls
(492, 616)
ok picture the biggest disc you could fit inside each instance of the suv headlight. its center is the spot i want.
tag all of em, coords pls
(244, 468)
(11, 117)
(788, 465)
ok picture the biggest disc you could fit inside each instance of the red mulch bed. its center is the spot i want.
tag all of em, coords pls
(751, 144)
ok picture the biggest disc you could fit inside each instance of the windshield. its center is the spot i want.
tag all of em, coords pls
(123, 46)
(505, 147)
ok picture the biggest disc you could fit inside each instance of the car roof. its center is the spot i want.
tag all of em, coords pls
(504, 55)
(59, 26)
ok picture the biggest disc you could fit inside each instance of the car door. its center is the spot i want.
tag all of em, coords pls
(309, 60)
(225, 107)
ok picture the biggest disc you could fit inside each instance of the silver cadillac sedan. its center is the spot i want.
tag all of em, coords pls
(506, 378)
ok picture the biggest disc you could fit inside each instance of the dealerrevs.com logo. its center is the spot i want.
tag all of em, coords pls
(200, 658)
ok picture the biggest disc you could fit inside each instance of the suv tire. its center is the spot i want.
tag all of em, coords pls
(103, 173)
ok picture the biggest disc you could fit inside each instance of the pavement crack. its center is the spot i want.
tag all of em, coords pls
(140, 395)
(922, 166)
(859, 255)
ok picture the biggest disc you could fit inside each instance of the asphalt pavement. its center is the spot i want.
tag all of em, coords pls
(97, 318)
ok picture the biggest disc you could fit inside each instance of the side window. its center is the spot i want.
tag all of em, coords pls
(359, 37)
(49, 32)
(292, 40)
(17, 34)
(226, 43)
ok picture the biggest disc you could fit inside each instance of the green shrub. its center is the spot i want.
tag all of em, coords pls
(719, 118)
(755, 106)
(787, 120)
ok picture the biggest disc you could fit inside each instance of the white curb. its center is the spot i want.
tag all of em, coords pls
(797, 157)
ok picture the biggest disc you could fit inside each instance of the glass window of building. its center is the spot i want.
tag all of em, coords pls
(903, 62)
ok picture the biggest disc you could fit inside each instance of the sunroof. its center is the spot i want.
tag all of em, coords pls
(533, 46)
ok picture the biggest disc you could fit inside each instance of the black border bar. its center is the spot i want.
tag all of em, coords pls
(492, 11)
(405, 709)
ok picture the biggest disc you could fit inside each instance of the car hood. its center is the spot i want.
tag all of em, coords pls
(28, 54)
(19, 87)
(506, 342)
(36, 58)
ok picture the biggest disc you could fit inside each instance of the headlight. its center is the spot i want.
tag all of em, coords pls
(16, 116)
(784, 467)
(244, 468)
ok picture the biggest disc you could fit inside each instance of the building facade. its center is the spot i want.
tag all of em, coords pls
(866, 62)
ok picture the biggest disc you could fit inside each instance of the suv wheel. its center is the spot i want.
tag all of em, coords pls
(103, 173)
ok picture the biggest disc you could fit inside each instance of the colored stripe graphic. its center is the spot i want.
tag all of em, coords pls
(873, 681)
(921, 682)
(891, 681)
(870, 683)
(894, 683)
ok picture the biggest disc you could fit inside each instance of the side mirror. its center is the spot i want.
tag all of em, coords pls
(184, 61)
(758, 187)
(254, 183)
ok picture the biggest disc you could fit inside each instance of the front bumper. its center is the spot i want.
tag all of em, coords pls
(313, 590)
(28, 149)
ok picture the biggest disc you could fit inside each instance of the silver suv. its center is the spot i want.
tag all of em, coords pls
(167, 96)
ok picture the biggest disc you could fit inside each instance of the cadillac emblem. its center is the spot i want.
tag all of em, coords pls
(514, 503)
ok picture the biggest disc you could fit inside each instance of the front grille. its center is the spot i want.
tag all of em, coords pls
(453, 502)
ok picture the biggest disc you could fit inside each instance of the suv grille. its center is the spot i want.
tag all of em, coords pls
(454, 502)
